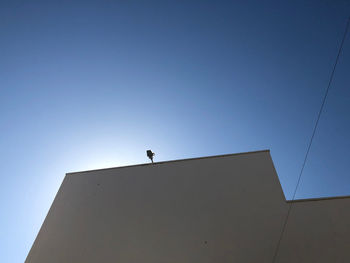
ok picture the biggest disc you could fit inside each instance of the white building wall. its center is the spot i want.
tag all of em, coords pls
(317, 231)
(218, 209)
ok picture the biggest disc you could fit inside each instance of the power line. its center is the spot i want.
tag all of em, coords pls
(311, 139)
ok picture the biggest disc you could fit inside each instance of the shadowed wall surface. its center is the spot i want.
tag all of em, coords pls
(317, 231)
(228, 208)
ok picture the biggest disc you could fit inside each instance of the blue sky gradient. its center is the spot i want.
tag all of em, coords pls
(94, 84)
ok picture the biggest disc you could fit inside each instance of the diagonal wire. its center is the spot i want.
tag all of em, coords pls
(311, 139)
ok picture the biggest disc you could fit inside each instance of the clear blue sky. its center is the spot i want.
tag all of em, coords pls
(88, 85)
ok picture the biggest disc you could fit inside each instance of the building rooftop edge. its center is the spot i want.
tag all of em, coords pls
(171, 161)
(318, 199)
(214, 156)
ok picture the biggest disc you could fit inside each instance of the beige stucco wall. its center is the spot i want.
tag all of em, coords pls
(218, 209)
(317, 231)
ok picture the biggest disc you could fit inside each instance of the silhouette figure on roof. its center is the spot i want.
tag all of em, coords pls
(150, 154)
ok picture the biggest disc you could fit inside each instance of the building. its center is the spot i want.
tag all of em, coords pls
(228, 208)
